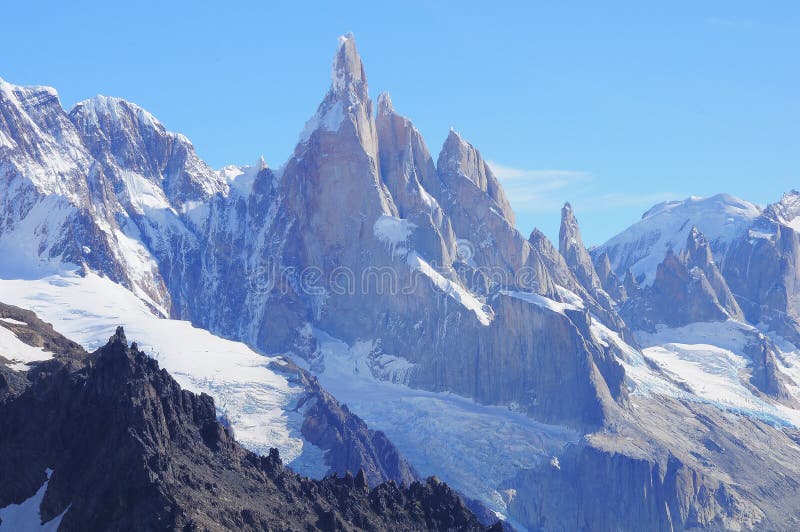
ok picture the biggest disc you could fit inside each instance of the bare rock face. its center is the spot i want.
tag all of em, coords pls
(612, 284)
(631, 286)
(698, 255)
(408, 171)
(578, 261)
(676, 454)
(766, 375)
(570, 245)
(459, 158)
(118, 416)
(763, 269)
(564, 277)
(490, 243)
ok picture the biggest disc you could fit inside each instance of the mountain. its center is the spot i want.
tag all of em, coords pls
(371, 305)
(360, 203)
(641, 247)
(687, 288)
(753, 249)
(83, 421)
(761, 269)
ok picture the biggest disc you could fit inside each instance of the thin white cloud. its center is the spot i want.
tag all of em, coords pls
(538, 190)
(508, 173)
(722, 22)
(546, 190)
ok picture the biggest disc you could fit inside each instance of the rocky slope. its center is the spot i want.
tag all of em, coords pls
(114, 414)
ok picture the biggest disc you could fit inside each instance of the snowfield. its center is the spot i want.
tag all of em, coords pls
(705, 362)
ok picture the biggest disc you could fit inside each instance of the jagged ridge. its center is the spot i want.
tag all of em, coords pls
(119, 416)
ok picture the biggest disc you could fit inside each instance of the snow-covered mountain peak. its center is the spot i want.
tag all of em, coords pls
(144, 158)
(348, 70)
(721, 218)
(121, 113)
(27, 94)
(786, 211)
(39, 145)
(697, 204)
(240, 179)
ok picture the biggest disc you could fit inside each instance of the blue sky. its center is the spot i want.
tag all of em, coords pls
(613, 107)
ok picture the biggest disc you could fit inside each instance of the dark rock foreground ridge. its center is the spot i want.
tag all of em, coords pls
(130, 450)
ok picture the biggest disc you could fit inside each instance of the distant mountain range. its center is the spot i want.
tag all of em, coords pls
(366, 307)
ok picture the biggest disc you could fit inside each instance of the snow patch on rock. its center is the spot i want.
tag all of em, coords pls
(26, 516)
(18, 352)
(392, 230)
(452, 289)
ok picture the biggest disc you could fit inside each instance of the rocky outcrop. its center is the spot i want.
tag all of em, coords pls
(578, 261)
(459, 159)
(119, 416)
(494, 253)
(698, 256)
(127, 140)
(408, 171)
(32, 331)
(766, 375)
(570, 245)
(612, 284)
(349, 443)
(688, 288)
(690, 467)
(763, 270)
